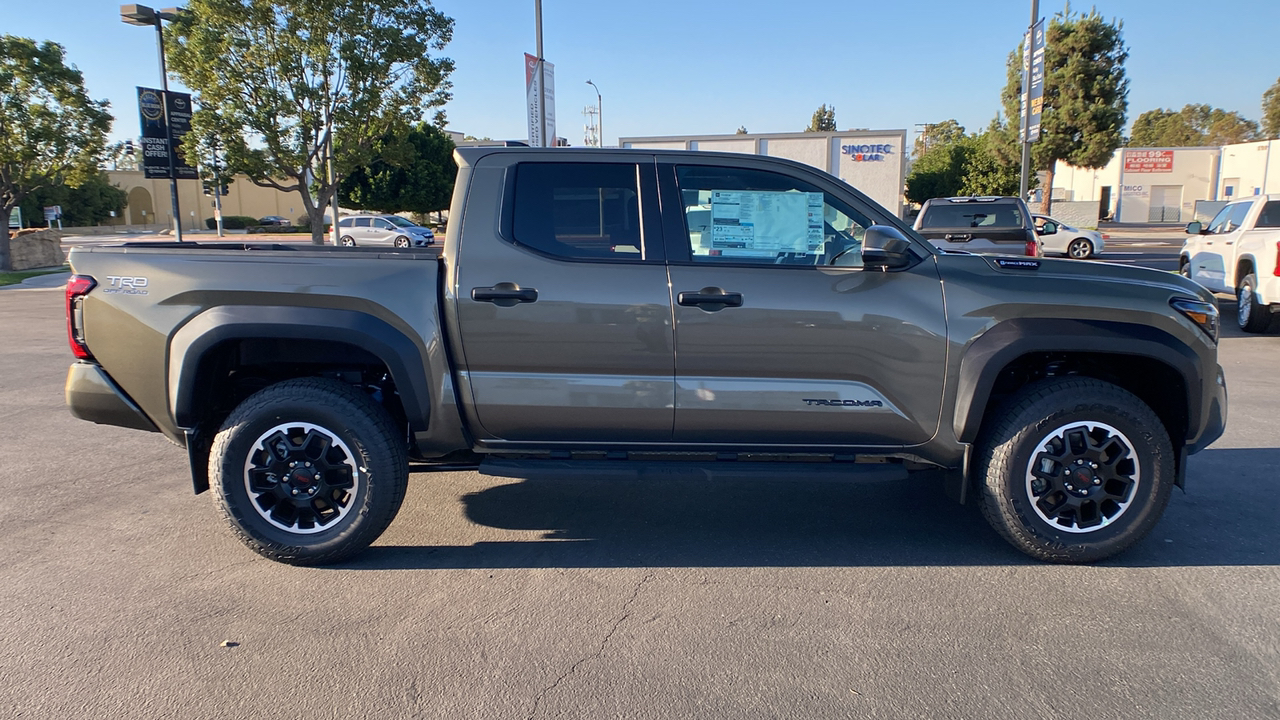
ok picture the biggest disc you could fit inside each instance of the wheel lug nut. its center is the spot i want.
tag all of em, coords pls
(1096, 481)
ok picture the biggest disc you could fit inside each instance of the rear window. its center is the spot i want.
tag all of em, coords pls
(579, 210)
(972, 215)
(1270, 216)
(362, 222)
(345, 222)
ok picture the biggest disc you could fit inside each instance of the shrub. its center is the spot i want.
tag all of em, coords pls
(232, 222)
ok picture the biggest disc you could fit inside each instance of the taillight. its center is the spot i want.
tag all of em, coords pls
(1276, 272)
(77, 287)
(1033, 248)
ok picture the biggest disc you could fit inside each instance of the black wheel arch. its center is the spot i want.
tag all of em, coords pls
(193, 356)
(1142, 359)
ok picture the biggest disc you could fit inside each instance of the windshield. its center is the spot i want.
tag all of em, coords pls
(400, 222)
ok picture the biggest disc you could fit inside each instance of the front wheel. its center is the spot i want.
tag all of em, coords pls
(1184, 268)
(1080, 249)
(308, 471)
(402, 242)
(1074, 470)
(1251, 316)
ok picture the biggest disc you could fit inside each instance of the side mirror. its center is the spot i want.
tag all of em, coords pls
(1195, 228)
(1049, 228)
(885, 247)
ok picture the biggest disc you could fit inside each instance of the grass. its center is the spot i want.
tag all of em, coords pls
(13, 278)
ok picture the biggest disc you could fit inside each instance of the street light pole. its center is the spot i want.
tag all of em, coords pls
(142, 15)
(600, 109)
(542, 79)
(1024, 183)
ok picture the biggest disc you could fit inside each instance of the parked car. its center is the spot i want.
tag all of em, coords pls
(1059, 238)
(585, 317)
(1239, 253)
(999, 225)
(357, 230)
(275, 220)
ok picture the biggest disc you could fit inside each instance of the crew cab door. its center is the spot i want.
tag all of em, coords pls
(563, 312)
(1217, 248)
(781, 337)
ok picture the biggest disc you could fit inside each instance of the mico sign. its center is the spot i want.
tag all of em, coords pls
(867, 153)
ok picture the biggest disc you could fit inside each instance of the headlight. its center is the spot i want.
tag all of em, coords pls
(1203, 314)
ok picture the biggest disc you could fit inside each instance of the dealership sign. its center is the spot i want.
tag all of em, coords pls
(165, 118)
(867, 153)
(1148, 161)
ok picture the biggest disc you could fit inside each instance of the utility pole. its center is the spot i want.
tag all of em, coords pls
(542, 79)
(217, 186)
(600, 108)
(1024, 181)
(173, 176)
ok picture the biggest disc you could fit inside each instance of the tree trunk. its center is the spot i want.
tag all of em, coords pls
(1046, 196)
(6, 258)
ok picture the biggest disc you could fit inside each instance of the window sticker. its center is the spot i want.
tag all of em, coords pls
(761, 224)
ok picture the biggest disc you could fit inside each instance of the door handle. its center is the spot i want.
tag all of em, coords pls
(710, 298)
(504, 294)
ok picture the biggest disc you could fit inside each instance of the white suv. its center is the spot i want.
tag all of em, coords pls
(1237, 253)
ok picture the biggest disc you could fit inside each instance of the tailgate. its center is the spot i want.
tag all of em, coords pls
(1011, 240)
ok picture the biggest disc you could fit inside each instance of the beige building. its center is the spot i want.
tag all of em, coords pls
(1250, 169)
(150, 204)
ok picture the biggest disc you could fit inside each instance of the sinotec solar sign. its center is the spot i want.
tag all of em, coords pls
(867, 153)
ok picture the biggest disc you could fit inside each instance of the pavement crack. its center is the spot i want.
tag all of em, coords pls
(626, 613)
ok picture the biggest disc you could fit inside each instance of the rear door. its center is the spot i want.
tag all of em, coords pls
(563, 310)
(781, 337)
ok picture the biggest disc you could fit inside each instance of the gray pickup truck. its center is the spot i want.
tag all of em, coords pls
(604, 309)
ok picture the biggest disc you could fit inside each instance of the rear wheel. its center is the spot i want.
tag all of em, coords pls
(347, 242)
(308, 471)
(1080, 249)
(1074, 470)
(1251, 316)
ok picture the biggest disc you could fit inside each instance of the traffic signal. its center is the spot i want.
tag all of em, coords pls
(128, 147)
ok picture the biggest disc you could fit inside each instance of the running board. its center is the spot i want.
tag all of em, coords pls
(544, 469)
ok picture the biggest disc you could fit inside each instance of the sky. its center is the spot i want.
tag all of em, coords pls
(668, 67)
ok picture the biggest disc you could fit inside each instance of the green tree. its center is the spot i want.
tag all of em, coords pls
(1085, 96)
(824, 119)
(280, 82)
(934, 134)
(51, 132)
(412, 171)
(87, 204)
(1271, 112)
(961, 165)
(1192, 126)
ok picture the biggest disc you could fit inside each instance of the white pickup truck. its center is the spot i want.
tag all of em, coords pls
(1239, 252)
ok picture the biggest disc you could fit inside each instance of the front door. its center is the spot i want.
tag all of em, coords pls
(563, 309)
(781, 337)
(1216, 248)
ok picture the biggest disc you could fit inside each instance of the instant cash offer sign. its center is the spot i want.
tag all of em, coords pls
(166, 119)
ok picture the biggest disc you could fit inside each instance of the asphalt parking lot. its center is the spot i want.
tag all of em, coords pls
(581, 598)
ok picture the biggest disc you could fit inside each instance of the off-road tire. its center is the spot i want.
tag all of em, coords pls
(1251, 316)
(1184, 268)
(1012, 440)
(351, 419)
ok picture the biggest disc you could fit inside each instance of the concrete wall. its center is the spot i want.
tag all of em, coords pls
(37, 250)
(872, 161)
(1078, 214)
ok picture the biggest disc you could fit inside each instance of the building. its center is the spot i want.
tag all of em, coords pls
(149, 202)
(873, 161)
(1172, 185)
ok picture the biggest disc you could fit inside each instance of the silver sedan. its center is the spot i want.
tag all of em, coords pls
(1058, 238)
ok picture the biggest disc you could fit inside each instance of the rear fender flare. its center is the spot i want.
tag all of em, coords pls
(401, 354)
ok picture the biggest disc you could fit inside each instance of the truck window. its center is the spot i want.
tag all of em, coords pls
(972, 215)
(1270, 215)
(579, 210)
(1239, 212)
(741, 215)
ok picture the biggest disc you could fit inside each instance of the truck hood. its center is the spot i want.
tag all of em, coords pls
(1090, 272)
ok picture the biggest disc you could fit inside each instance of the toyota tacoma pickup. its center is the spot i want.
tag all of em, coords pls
(577, 316)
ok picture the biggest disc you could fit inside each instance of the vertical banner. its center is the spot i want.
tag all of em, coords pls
(179, 107)
(155, 133)
(533, 98)
(1037, 81)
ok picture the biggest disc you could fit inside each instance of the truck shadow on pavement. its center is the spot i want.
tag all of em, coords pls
(1227, 517)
